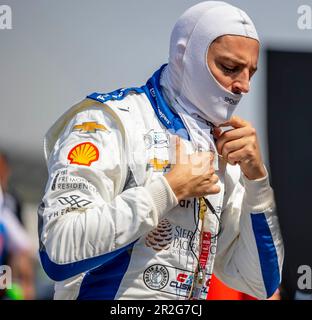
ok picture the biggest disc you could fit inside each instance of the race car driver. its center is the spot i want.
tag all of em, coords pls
(147, 195)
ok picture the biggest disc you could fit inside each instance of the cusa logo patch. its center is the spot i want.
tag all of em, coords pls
(84, 154)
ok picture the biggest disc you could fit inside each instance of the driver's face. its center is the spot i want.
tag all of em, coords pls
(233, 61)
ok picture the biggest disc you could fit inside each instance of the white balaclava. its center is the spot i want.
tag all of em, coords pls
(187, 79)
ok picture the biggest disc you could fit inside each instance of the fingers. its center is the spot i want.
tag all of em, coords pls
(239, 156)
(178, 154)
(209, 175)
(236, 122)
(201, 163)
(209, 180)
(217, 132)
(214, 179)
(233, 146)
(214, 190)
(211, 158)
(208, 189)
(178, 148)
(234, 134)
(192, 175)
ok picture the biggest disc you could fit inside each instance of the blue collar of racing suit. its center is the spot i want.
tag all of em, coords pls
(152, 89)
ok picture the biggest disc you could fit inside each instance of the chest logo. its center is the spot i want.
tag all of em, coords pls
(156, 139)
(159, 165)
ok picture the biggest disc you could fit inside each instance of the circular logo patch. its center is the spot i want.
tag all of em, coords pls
(156, 277)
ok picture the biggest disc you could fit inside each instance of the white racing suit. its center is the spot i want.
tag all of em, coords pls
(110, 226)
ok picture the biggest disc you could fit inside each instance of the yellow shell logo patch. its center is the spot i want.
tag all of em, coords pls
(84, 154)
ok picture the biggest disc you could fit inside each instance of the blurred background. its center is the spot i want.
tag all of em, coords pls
(57, 52)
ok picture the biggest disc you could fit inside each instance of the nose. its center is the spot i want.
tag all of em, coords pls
(242, 83)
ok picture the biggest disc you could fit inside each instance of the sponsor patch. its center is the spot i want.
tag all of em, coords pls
(160, 238)
(159, 165)
(89, 127)
(64, 181)
(205, 249)
(156, 277)
(156, 139)
(175, 281)
(74, 201)
(84, 154)
(231, 101)
(61, 212)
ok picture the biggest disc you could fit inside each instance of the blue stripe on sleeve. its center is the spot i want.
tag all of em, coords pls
(103, 283)
(61, 272)
(267, 253)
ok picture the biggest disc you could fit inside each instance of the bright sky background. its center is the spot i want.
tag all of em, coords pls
(59, 51)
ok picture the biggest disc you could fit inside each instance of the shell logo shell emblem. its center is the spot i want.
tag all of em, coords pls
(160, 238)
(84, 154)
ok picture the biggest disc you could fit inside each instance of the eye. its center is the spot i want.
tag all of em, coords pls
(228, 70)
